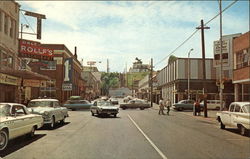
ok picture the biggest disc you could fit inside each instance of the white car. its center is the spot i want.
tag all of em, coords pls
(238, 116)
(15, 121)
(50, 109)
(212, 104)
(104, 107)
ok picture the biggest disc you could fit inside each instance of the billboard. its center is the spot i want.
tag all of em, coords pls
(225, 53)
(33, 49)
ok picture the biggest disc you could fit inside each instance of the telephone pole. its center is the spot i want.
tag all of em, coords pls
(203, 66)
(151, 83)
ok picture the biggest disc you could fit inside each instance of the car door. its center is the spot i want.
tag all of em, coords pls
(189, 104)
(59, 111)
(226, 115)
(235, 115)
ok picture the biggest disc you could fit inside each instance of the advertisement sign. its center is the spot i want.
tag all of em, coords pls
(67, 86)
(33, 49)
(225, 52)
(10, 80)
(31, 83)
(68, 70)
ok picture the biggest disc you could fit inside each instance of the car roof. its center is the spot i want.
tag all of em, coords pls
(36, 100)
(241, 103)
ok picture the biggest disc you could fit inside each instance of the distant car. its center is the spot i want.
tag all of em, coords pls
(77, 104)
(185, 105)
(104, 98)
(212, 104)
(15, 121)
(238, 116)
(104, 107)
(135, 103)
(126, 99)
(50, 109)
(114, 101)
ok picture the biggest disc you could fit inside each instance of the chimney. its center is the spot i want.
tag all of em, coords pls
(75, 52)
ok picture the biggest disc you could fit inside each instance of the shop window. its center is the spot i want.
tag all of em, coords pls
(242, 59)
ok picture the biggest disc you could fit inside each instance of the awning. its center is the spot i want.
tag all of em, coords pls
(25, 74)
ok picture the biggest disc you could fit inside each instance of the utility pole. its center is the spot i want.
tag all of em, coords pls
(203, 66)
(107, 65)
(151, 83)
(221, 62)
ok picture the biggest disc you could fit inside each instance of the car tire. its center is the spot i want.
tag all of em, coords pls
(115, 115)
(4, 143)
(142, 108)
(62, 121)
(124, 108)
(52, 124)
(180, 109)
(97, 113)
(92, 113)
(73, 109)
(32, 133)
(222, 126)
(243, 130)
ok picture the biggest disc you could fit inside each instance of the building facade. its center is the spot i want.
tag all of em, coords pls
(241, 71)
(173, 80)
(64, 71)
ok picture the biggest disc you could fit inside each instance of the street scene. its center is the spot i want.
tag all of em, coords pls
(124, 79)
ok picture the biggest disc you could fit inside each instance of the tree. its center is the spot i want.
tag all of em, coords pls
(109, 80)
(171, 59)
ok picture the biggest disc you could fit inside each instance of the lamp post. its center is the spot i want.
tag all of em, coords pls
(189, 73)
(23, 25)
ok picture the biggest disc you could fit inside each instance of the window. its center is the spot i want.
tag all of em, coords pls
(48, 65)
(11, 28)
(237, 108)
(242, 58)
(6, 24)
(232, 108)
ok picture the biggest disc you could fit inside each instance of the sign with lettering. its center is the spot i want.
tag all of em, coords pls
(11, 80)
(31, 83)
(33, 49)
(67, 87)
(68, 70)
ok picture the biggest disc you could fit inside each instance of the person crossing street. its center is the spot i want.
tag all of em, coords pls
(168, 106)
(161, 107)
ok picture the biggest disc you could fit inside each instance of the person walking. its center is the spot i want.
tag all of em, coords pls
(197, 107)
(161, 107)
(168, 106)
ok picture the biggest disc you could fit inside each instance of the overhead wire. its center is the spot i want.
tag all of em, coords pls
(28, 23)
(194, 33)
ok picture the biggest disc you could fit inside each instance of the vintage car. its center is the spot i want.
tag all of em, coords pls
(212, 104)
(77, 104)
(50, 109)
(114, 100)
(238, 116)
(15, 121)
(104, 107)
(135, 103)
(185, 105)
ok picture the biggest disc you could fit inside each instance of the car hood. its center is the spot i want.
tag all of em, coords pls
(107, 107)
(40, 109)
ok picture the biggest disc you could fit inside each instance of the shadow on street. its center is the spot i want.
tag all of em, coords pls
(19, 143)
(57, 126)
(236, 131)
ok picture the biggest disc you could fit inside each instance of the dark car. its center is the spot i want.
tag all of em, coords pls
(184, 105)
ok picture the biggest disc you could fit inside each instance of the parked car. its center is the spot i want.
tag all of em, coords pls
(77, 104)
(50, 109)
(212, 104)
(238, 116)
(104, 107)
(15, 121)
(135, 103)
(126, 99)
(114, 101)
(185, 105)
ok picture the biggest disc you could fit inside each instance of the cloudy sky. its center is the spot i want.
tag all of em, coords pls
(123, 30)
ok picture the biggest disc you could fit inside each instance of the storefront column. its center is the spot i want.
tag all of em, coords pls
(236, 92)
(242, 92)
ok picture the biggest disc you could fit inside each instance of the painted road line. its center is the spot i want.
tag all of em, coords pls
(151, 142)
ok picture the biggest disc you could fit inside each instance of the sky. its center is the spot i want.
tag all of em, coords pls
(120, 31)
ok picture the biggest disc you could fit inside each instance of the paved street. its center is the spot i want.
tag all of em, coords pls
(134, 134)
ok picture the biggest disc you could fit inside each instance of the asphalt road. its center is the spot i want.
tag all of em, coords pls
(134, 134)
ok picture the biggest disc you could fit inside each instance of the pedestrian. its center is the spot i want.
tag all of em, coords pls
(168, 106)
(197, 109)
(161, 107)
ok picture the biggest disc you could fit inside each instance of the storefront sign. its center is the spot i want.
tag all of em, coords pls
(225, 53)
(31, 83)
(33, 49)
(67, 87)
(11, 80)
(68, 70)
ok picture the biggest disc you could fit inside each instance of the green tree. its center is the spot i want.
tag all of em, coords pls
(109, 80)
(171, 59)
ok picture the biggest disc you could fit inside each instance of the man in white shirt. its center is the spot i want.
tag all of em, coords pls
(161, 106)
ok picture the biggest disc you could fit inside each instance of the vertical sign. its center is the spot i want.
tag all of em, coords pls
(68, 70)
(39, 28)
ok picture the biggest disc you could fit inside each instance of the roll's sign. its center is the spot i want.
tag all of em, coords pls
(33, 49)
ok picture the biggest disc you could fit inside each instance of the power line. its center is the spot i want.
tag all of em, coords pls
(195, 33)
(28, 23)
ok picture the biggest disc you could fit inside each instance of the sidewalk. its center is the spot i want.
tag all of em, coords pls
(210, 113)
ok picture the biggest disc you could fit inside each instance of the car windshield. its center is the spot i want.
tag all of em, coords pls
(40, 104)
(246, 108)
(104, 103)
(182, 101)
(4, 110)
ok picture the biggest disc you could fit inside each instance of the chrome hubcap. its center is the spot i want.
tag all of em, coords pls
(2, 139)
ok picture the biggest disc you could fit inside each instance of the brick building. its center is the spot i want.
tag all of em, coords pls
(241, 72)
(64, 71)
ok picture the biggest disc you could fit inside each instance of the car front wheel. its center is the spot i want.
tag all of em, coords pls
(242, 130)
(222, 126)
(52, 124)
(3, 139)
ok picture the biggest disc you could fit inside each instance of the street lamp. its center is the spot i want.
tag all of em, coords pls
(189, 73)
(23, 25)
